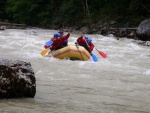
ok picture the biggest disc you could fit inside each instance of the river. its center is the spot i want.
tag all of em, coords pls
(118, 84)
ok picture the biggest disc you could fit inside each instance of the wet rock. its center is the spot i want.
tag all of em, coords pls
(143, 30)
(16, 79)
(123, 32)
(12, 25)
(2, 27)
(145, 43)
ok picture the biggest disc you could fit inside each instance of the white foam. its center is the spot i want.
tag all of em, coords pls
(147, 72)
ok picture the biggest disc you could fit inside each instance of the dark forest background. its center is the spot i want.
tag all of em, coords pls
(49, 13)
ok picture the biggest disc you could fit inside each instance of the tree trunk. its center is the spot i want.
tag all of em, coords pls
(87, 11)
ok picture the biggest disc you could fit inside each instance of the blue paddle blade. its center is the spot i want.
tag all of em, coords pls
(49, 43)
(94, 58)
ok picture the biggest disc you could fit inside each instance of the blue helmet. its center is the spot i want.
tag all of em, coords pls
(86, 37)
(56, 35)
(89, 40)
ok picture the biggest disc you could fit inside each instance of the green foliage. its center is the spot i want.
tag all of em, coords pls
(73, 12)
(70, 12)
(3, 14)
(140, 7)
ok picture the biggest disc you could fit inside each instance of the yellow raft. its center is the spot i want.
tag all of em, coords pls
(71, 52)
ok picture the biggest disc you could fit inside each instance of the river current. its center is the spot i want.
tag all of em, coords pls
(118, 84)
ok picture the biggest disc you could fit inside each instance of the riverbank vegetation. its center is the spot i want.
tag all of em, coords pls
(50, 13)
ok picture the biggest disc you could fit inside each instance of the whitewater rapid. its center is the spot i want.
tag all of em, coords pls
(117, 84)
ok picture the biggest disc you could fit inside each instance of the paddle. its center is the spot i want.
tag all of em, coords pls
(93, 56)
(44, 52)
(102, 53)
(49, 43)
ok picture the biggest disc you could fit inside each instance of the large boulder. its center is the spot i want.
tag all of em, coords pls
(143, 30)
(16, 79)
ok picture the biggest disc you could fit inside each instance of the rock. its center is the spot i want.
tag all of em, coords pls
(2, 27)
(143, 30)
(132, 35)
(16, 79)
(123, 32)
(113, 22)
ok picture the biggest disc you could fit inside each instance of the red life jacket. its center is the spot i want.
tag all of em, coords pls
(58, 42)
(83, 42)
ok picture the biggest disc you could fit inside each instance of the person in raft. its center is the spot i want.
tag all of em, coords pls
(57, 41)
(65, 42)
(86, 42)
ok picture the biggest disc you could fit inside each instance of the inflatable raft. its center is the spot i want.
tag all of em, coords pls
(71, 52)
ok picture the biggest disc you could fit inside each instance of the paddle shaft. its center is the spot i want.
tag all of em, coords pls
(87, 45)
(93, 56)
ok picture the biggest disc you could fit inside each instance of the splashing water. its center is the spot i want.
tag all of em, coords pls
(117, 84)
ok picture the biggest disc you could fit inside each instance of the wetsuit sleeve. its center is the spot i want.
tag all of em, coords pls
(91, 46)
(68, 35)
(46, 46)
(65, 37)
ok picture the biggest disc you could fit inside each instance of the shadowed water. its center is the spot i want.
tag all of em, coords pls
(117, 84)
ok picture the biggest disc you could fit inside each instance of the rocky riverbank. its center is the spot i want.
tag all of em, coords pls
(5, 25)
(141, 32)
